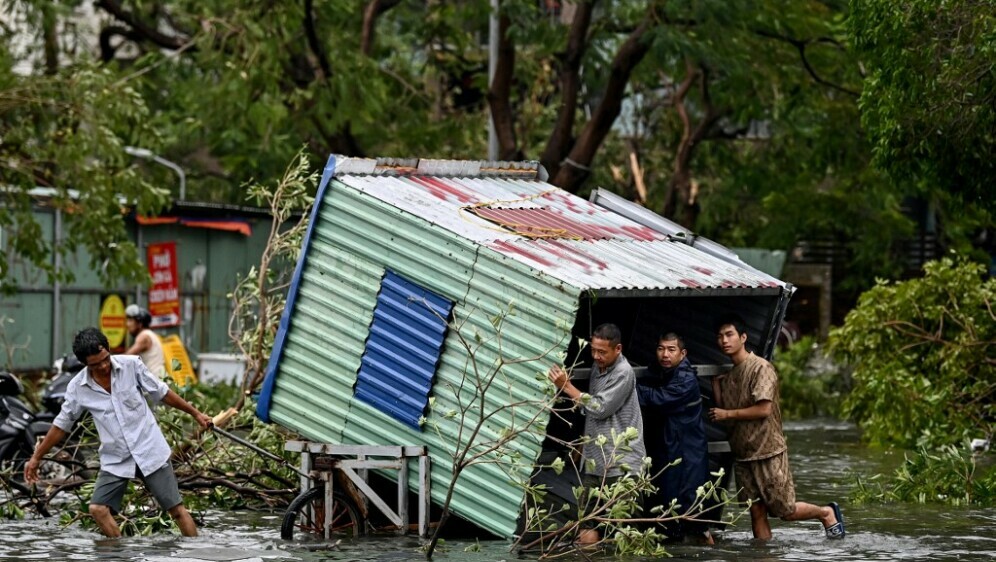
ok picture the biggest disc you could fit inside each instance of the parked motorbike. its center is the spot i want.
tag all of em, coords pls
(55, 391)
(20, 430)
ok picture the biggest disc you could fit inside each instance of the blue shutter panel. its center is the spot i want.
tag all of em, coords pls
(402, 351)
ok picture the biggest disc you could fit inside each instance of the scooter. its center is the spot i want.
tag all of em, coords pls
(65, 368)
(21, 428)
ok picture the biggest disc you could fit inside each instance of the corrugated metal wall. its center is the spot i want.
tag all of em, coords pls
(357, 237)
(402, 352)
(226, 254)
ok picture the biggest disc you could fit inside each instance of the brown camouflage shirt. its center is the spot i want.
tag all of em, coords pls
(747, 384)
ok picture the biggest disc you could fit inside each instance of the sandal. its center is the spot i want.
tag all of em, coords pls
(835, 531)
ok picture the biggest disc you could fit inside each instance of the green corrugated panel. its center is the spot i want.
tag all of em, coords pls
(327, 333)
(356, 238)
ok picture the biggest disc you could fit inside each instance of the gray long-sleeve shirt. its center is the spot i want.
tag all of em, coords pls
(613, 406)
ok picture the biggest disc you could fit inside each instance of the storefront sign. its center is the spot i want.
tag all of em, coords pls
(164, 295)
(112, 320)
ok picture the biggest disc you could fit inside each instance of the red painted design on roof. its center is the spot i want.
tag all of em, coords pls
(703, 270)
(553, 223)
(690, 283)
(541, 222)
(643, 233)
(507, 248)
(579, 257)
(443, 190)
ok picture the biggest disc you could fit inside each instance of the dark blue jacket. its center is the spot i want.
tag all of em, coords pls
(673, 428)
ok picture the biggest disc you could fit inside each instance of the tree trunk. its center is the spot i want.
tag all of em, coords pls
(681, 199)
(577, 163)
(500, 93)
(50, 24)
(374, 9)
(570, 84)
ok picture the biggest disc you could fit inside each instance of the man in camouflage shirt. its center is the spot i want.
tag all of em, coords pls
(748, 398)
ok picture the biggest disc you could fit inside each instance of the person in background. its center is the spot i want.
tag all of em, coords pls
(146, 343)
(674, 431)
(613, 406)
(112, 389)
(747, 398)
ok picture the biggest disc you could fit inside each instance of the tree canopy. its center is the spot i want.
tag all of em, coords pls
(739, 119)
(929, 103)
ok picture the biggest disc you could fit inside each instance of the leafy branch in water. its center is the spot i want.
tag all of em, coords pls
(924, 358)
(615, 505)
(211, 471)
(950, 474)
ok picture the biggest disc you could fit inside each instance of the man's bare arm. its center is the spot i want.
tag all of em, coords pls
(176, 401)
(142, 343)
(52, 438)
(758, 411)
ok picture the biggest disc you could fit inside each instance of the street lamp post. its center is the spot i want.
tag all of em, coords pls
(149, 155)
(493, 38)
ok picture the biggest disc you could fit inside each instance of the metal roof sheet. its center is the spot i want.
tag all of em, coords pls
(567, 237)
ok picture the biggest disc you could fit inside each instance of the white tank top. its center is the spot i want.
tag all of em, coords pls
(153, 357)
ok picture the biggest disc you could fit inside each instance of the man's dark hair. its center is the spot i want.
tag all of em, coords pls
(734, 320)
(87, 342)
(609, 333)
(672, 336)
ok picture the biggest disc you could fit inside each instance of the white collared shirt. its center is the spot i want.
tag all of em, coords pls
(129, 433)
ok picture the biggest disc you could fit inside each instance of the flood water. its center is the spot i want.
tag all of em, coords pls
(823, 454)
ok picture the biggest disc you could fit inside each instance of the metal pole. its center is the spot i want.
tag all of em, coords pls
(148, 154)
(259, 450)
(492, 66)
(57, 290)
(141, 251)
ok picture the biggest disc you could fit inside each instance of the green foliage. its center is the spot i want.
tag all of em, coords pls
(923, 354)
(616, 506)
(927, 101)
(949, 474)
(807, 390)
(66, 131)
(259, 298)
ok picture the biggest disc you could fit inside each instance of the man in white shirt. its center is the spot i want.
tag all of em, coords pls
(146, 344)
(113, 390)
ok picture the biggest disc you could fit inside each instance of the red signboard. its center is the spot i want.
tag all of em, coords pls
(164, 295)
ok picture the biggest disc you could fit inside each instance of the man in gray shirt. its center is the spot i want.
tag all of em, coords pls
(612, 405)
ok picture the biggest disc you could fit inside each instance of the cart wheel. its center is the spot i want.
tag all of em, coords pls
(306, 514)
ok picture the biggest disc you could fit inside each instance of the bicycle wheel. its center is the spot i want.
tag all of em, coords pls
(306, 515)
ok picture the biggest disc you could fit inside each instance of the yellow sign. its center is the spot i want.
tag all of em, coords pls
(112, 320)
(177, 362)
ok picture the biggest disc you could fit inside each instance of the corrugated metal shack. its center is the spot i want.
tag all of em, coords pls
(395, 247)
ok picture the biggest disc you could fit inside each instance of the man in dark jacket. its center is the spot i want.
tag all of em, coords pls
(673, 429)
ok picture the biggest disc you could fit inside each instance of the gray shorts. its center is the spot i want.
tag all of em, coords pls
(110, 489)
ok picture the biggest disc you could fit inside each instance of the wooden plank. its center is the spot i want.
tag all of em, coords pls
(306, 469)
(395, 464)
(403, 497)
(423, 496)
(374, 498)
(719, 447)
(584, 373)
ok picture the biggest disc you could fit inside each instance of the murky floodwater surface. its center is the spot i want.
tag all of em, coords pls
(822, 453)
